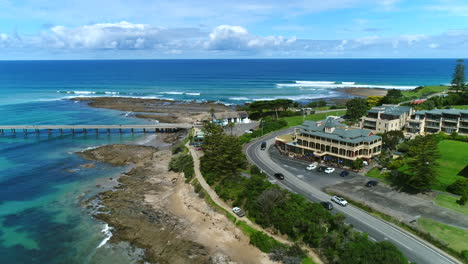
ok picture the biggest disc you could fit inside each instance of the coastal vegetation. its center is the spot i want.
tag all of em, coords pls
(356, 108)
(450, 202)
(298, 120)
(454, 237)
(285, 212)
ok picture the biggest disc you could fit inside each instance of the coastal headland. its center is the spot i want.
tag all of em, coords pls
(165, 111)
(154, 209)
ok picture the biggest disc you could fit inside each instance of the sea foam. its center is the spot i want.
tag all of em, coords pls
(333, 85)
(107, 232)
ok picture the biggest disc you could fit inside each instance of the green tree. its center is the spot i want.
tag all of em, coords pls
(391, 139)
(374, 100)
(393, 96)
(358, 164)
(356, 108)
(422, 154)
(458, 80)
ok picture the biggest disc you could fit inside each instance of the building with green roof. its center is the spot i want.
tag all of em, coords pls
(381, 119)
(331, 140)
(438, 120)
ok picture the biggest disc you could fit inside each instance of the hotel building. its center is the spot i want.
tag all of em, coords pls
(381, 119)
(332, 141)
(438, 120)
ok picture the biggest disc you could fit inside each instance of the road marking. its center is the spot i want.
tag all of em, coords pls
(300, 176)
(408, 236)
(373, 239)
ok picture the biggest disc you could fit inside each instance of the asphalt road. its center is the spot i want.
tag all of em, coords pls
(415, 249)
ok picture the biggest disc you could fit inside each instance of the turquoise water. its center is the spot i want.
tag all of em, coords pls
(42, 185)
(41, 181)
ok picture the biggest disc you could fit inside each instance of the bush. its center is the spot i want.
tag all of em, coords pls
(178, 147)
(464, 254)
(459, 187)
(183, 163)
(263, 242)
(254, 170)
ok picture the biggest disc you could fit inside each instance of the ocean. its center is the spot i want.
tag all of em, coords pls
(42, 185)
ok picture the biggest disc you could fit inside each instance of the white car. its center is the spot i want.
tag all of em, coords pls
(238, 211)
(312, 166)
(329, 170)
(339, 200)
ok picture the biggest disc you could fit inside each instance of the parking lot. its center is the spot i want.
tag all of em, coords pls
(314, 177)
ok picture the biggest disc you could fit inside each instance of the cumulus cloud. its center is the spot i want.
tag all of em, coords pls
(226, 37)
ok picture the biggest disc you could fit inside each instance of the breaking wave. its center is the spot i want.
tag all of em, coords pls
(332, 85)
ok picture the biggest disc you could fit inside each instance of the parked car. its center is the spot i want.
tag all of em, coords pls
(238, 211)
(372, 183)
(263, 145)
(327, 205)
(329, 170)
(344, 173)
(312, 166)
(248, 131)
(321, 169)
(279, 176)
(339, 200)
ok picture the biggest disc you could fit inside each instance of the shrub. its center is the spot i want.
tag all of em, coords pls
(459, 187)
(464, 254)
(254, 170)
(178, 147)
(263, 242)
(183, 163)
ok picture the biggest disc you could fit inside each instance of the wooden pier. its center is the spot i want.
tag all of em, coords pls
(85, 129)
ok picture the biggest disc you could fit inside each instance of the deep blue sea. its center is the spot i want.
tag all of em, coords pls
(41, 181)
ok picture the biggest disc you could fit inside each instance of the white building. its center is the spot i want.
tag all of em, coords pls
(224, 118)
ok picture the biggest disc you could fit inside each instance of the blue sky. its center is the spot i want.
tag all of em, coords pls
(137, 29)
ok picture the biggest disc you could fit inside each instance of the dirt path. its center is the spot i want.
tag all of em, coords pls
(196, 160)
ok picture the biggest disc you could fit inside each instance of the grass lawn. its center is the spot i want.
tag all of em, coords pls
(450, 202)
(454, 158)
(426, 90)
(375, 173)
(298, 120)
(460, 106)
(454, 237)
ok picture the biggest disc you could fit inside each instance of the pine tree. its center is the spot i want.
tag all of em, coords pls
(458, 81)
(423, 154)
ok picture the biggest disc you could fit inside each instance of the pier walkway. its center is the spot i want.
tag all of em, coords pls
(84, 129)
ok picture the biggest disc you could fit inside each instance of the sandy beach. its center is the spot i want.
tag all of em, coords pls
(157, 211)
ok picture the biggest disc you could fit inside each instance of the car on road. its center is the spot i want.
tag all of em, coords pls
(372, 183)
(339, 200)
(279, 176)
(344, 173)
(263, 145)
(327, 205)
(321, 169)
(239, 212)
(329, 170)
(312, 166)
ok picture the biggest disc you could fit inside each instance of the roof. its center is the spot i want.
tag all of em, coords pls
(443, 111)
(391, 109)
(227, 115)
(341, 132)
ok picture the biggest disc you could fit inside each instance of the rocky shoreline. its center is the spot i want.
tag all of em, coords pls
(165, 111)
(155, 210)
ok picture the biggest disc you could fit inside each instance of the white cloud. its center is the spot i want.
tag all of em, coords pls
(226, 37)
(434, 45)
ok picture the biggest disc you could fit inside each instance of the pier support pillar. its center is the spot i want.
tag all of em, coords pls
(25, 132)
(132, 131)
(144, 130)
(1, 131)
(61, 131)
(49, 131)
(13, 131)
(97, 131)
(120, 130)
(85, 131)
(37, 131)
(73, 131)
(108, 131)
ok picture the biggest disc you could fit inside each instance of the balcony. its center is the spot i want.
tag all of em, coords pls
(451, 120)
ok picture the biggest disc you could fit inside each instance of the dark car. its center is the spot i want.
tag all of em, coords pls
(371, 183)
(327, 205)
(279, 176)
(263, 145)
(344, 173)
(321, 169)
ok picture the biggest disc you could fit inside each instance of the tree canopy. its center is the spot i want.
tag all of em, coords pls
(393, 96)
(391, 139)
(459, 80)
(422, 154)
(356, 108)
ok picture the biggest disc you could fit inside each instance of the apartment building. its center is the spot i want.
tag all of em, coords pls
(386, 118)
(331, 141)
(438, 120)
